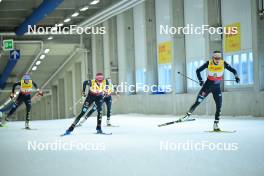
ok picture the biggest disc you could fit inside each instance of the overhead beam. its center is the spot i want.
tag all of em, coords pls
(45, 8)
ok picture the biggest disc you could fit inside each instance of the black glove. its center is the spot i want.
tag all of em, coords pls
(12, 96)
(237, 79)
(201, 82)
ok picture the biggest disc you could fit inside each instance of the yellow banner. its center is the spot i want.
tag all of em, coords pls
(165, 53)
(232, 38)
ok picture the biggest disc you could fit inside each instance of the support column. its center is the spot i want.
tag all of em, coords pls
(179, 59)
(125, 45)
(106, 40)
(43, 108)
(55, 112)
(97, 54)
(112, 43)
(151, 39)
(140, 44)
(68, 84)
(78, 86)
(61, 98)
(48, 108)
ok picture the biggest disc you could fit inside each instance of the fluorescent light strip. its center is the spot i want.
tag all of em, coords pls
(50, 38)
(38, 62)
(34, 68)
(94, 2)
(67, 20)
(84, 8)
(47, 50)
(42, 56)
(60, 24)
(75, 14)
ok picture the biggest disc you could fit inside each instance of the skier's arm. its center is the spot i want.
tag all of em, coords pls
(200, 69)
(14, 86)
(35, 85)
(84, 85)
(230, 68)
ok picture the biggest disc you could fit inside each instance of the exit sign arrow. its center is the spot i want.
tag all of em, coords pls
(14, 54)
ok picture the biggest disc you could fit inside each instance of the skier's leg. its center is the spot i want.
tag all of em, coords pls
(217, 94)
(99, 104)
(92, 110)
(85, 107)
(108, 102)
(201, 96)
(18, 102)
(27, 101)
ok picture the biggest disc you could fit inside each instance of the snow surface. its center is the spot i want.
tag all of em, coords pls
(134, 149)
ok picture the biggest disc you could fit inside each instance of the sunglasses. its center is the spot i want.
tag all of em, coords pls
(217, 58)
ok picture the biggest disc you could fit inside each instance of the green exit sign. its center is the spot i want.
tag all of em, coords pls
(8, 44)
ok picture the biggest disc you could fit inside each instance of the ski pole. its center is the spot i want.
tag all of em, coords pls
(188, 77)
(75, 103)
(198, 82)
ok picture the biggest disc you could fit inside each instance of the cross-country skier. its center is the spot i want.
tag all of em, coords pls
(26, 88)
(95, 95)
(215, 70)
(107, 100)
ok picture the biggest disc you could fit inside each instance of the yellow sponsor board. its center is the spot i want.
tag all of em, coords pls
(165, 53)
(232, 38)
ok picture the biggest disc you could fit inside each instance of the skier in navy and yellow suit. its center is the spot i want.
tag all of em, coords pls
(26, 88)
(108, 90)
(215, 70)
(95, 95)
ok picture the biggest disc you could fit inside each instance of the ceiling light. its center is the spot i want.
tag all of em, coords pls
(75, 14)
(60, 24)
(47, 50)
(42, 56)
(34, 68)
(67, 20)
(38, 62)
(94, 2)
(50, 38)
(84, 8)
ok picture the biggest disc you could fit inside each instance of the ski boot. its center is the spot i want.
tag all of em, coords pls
(99, 130)
(27, 125)
(216, 127)
(108, 123)
(187, 115)
(67, 132)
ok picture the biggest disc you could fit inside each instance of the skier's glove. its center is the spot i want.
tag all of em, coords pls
(201, 82)
(237, 79)
(12, 95)
(40, 92)
(83, 94)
